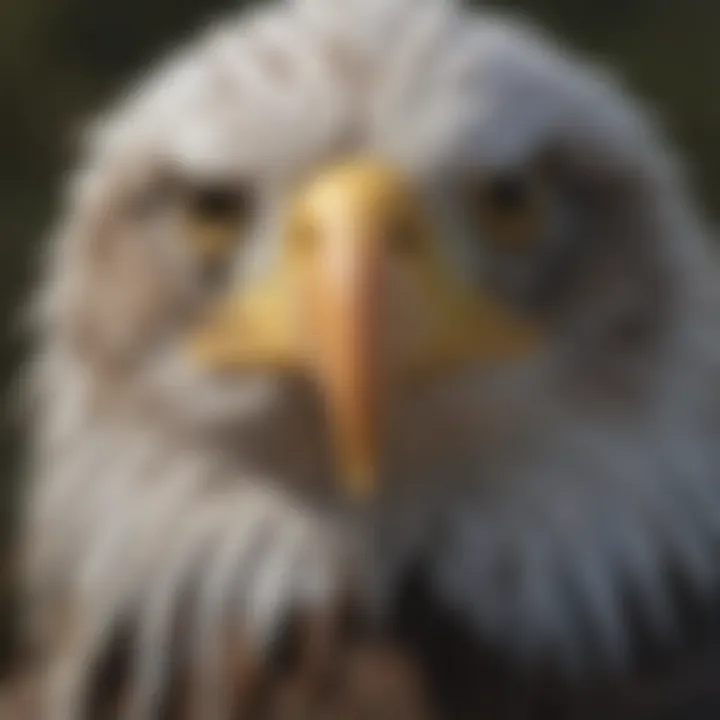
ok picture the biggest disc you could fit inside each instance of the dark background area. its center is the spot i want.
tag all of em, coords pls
(62, 60)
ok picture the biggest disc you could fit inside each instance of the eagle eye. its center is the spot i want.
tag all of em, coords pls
(219, 204)
(510, 210)
(217, 214)
(508, 194)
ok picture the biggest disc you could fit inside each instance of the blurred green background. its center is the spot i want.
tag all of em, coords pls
(61, 60)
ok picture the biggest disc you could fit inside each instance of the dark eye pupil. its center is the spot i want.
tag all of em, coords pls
(220, 204)
(508, 194)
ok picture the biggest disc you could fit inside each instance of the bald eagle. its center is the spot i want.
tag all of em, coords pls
(376, 339)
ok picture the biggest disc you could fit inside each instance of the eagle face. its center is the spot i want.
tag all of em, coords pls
(408, 266)
(389, 240)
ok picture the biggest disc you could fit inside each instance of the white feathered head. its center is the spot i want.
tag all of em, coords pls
(410, 258)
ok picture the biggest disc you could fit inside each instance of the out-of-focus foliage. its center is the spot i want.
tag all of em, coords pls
(61, 59)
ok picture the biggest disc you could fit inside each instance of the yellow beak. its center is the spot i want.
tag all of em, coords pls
(361, 301)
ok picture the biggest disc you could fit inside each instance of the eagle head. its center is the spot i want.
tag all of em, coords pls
(417, 268)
